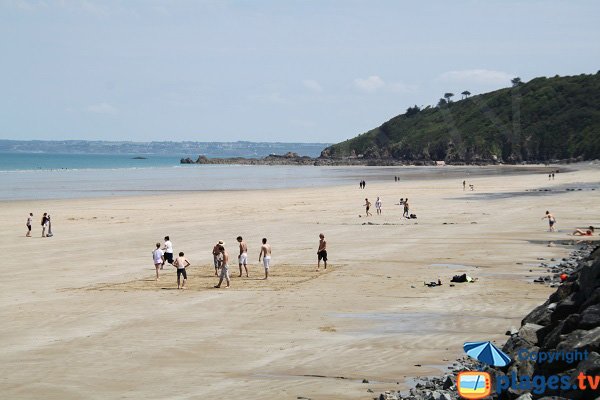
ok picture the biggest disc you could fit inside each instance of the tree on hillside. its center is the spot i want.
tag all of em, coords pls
(466, 94)
(448, 96)
(410, 111)
(441, 102)
(516, 81)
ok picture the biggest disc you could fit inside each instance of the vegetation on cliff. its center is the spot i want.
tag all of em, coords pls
(542, 120)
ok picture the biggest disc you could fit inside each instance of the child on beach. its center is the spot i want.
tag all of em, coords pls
(181, 263)
(551, 221)
(158, 258)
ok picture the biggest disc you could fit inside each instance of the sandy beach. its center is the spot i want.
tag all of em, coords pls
(82, 316)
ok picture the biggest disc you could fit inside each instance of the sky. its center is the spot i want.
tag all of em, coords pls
(287, 71)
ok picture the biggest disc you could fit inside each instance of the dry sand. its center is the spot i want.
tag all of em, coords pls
(83, 318)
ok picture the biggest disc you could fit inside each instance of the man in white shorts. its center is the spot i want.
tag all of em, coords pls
(265, 253)
(243, 257)
(378, 205)
(224, 265)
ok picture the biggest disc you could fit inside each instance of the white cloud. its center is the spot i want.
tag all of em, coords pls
(374, 83)
(102, 108)
(477, 76)
(312, 85)
(370, 84)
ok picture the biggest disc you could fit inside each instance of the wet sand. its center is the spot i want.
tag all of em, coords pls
(83, 317)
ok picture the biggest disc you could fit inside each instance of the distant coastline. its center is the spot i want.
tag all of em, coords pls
(292, 158)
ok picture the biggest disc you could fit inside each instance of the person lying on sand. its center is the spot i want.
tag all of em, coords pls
(584, 232)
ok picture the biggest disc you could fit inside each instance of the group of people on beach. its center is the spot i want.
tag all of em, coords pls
(379, 205)
(221, 259)
(46, 225)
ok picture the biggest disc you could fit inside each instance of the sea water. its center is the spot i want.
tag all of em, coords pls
(63, 176)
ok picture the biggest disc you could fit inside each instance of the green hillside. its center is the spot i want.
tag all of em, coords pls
(544, 119)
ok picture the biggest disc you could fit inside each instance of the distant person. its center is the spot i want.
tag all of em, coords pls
(551, 221)
(28, 224)
(549, 176)
(322, 252)
(157, 257)
(49, 234)
(224, 265)
(217, 257)
(367, 206)
(553, 176)
(360, 185)
(44, 224)
(181, 263)
(265, 253)
(378, 205)
(406, 209)
(464, 185)
(472, 187)
(395, 178)
(243, 257)
(584, 232)
(168, 252)
(364, 184)
(401, 201)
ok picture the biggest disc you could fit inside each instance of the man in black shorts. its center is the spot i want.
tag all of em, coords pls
(322, 252)
(181, 263)
(29, 219)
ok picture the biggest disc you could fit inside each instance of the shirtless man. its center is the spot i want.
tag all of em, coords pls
(181, 263)
(224, 265)
(217, 257)
(551, 221)
(378, 205)
(322, 252)
(243, 257)
(406, 209)
(28, 224)
(265, 254)
(367, 206)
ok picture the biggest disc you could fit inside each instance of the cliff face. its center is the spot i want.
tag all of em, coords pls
(543, 120)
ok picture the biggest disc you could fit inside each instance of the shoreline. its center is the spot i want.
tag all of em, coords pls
(363, 319)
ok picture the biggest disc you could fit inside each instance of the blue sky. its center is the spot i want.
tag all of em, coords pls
(293, 71)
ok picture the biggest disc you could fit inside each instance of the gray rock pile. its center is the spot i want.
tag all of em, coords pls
(566, 327)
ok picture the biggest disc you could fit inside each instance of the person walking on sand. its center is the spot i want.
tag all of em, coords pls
(217, 259)
(168, 252)
(181, 263)
(224, 265)
(322, 252)
(367, 206)
(28, 224)
(243, 257)
(406, 208)
(158, 258)
(44, 224)
(551, 221)
(49, 234)
(378, 205)
(464, 185)
(265, 253)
